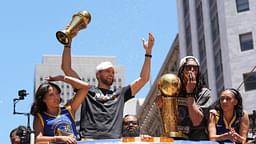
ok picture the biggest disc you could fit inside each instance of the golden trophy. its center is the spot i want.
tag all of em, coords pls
(169, 86)
(79, 21)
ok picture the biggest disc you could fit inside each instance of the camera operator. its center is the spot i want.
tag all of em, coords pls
(20, 135)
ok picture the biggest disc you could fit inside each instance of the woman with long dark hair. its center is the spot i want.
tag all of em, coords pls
(228, 122)
(53, 123)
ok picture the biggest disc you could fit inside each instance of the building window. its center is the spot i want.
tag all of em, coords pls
(186, 7)
(215, 27)
(202, 50)
(218, 64)
(242, 5)
(249, 81)
(246, 41)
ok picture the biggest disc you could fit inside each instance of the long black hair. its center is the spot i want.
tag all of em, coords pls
(239, 106)
(38, 104)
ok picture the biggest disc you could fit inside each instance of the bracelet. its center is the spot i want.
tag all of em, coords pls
(67, 46)
(148, 55)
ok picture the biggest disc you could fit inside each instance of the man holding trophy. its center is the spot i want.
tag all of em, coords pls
(102, 110)
(184, 101)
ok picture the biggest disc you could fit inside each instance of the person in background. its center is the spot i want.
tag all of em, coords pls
(53, 123)
(102, 109)
(18, 135)
(131, 127)
(14, 138)
(228, 122)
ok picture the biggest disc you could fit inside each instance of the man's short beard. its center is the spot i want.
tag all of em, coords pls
(106, 82)
(131, 133)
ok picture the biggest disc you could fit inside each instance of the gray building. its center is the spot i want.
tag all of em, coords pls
(221, 34)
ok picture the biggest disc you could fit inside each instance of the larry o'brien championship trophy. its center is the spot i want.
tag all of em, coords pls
(169, 86)
(79, 21)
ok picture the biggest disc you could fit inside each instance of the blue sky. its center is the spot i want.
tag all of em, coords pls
(28, 32)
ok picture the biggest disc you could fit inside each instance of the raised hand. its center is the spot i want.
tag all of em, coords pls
(191, 83)
(148, 45)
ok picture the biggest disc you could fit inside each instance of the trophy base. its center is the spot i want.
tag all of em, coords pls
(177, 135)
(62, 37)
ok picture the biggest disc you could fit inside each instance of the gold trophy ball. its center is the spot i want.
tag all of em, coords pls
(169, 85)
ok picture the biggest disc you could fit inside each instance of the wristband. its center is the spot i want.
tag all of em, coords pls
(148, 55)
(67, 46)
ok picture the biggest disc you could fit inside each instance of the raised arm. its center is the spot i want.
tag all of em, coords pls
(195, 107)
(81, 86)
(66, 62)
(145, 71)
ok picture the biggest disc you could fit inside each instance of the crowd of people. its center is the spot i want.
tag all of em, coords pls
(102, 108)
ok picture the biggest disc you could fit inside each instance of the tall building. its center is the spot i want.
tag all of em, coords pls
(85, 66)
(221, 34)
